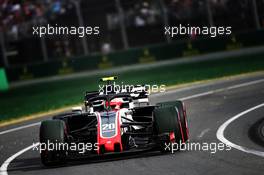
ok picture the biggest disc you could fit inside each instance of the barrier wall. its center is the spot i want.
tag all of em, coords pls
(137, 55)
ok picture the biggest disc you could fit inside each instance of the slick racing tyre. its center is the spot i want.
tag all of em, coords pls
(167, 121)
(52, 132)
(182, 114)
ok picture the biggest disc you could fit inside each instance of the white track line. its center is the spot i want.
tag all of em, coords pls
(223, 89)
(19, 128)
(3, 168)
(203, 133)
(201, 94)
(220, 133)
(8, 161)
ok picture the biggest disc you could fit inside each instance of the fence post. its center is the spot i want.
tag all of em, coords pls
(44, 48)
(81, 24)
(122, 24)
(3, 48)
(256, 16)
(164, 12)
(209, 13)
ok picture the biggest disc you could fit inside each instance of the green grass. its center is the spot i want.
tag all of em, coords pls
(47, 96)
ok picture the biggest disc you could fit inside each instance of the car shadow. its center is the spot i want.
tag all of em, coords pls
(34, 164)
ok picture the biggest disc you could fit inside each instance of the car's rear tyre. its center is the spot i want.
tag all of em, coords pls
(182, 114)
(52, 132)
(167, 121)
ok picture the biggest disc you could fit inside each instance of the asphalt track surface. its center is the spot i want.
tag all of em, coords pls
(209, 106)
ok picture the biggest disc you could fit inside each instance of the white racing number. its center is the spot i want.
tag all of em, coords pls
(108, 127)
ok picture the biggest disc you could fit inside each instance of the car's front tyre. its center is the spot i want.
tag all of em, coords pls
(52, 132)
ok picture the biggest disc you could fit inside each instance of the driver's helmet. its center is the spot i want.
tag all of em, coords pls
(115, 104)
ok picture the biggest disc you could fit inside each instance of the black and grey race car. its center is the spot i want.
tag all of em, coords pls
(113, 123)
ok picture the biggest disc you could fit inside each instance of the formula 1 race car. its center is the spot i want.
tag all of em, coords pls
(119, 121)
